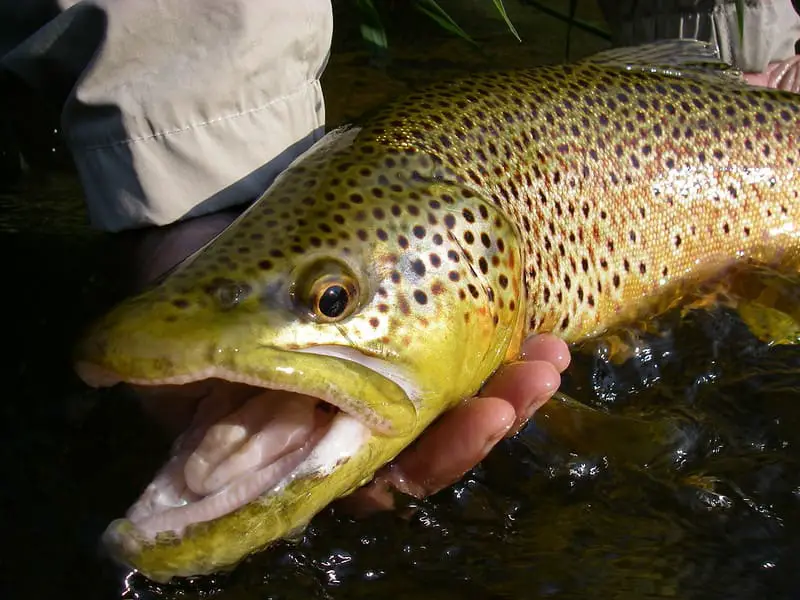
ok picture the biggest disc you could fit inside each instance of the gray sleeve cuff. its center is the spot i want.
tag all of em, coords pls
(202, 168)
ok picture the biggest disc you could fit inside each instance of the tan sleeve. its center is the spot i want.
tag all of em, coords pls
(178, 108)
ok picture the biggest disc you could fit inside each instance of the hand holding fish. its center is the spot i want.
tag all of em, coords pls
(455, 444)
(781, 75)
(466, 434)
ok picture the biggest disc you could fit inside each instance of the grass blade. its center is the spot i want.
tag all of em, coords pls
(502, 10)
(371, 28)
(740, 19)
(432, 9)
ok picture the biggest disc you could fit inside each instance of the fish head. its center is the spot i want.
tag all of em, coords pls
(371, 288)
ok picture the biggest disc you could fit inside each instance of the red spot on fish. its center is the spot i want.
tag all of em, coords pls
(402, 303)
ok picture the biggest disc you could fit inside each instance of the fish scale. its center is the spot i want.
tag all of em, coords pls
(447, 226)
(619, 182)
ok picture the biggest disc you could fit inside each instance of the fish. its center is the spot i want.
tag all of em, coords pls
(396, 265)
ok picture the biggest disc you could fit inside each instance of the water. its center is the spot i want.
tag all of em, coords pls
(682, 481)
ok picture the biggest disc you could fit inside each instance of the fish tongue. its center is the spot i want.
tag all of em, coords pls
(263, 429)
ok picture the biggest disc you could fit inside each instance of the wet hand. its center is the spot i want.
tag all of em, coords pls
(465, 435)
(781, 75)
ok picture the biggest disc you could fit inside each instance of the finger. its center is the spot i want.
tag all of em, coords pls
(756, 79)
(455, 444)
(441, 456)
(526, 386)
(523, 383)
(376, 496)
(549, 348)
(781, 75)
(789, 80)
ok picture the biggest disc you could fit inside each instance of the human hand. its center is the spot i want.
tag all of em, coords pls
(465, 435)
(782, 75)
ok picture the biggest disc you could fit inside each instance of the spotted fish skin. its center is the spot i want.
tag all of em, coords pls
(462, 217)
(623, 185)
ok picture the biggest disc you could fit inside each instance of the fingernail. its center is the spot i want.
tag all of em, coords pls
(397, 479)
(526, 416)
(495, 438)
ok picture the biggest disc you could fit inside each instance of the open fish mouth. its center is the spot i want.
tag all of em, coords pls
(244, 443)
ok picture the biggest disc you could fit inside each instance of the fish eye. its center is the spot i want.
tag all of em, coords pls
(327, 293)
(333, 301)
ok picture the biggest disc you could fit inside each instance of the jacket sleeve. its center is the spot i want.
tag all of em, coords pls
(177, 108)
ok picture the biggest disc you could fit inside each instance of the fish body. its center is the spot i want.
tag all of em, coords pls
(395, 266)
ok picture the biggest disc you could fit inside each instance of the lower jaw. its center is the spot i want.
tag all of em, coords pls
(167, 511)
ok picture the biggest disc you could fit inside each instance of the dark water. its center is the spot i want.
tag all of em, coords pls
(681, 482)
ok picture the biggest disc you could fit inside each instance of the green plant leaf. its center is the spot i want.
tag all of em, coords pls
(740, 19)
(371, 27)
(432, 9)
(571, 20)
(502, 10)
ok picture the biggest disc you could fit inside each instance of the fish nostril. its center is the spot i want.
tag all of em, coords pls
(227, 292)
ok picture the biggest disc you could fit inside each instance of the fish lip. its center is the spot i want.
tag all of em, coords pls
(96, 376)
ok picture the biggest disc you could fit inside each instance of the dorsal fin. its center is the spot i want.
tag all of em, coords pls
(677, 58)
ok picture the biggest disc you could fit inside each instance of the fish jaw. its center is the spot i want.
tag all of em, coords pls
(384, 404)
(440, 306)
(136, 344)
(346, 458)
(376, 421)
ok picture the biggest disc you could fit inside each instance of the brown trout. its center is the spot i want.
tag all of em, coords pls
(389, 271)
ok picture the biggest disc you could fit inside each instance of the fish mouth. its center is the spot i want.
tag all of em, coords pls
(247, 441)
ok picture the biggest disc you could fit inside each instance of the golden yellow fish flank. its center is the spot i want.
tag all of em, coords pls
(389, 271)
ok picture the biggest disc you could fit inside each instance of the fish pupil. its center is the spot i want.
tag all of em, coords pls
(333, 301)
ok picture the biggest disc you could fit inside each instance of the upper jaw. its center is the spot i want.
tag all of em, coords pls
(359, 390)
